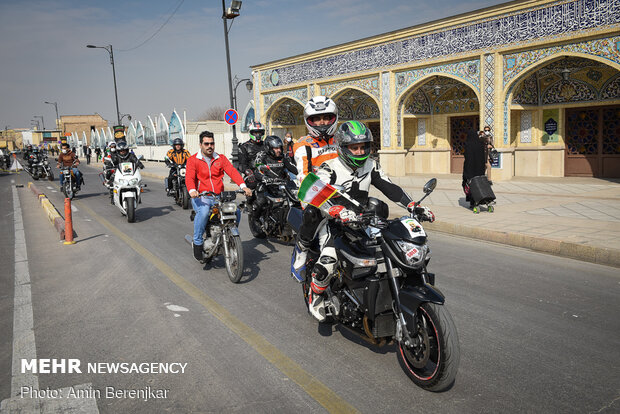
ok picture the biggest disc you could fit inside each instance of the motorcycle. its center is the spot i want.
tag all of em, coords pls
(280, 195)
(126, 189)
(179, 190)
(383, 292)
(40, 167)
(69, 185)
(222, 233)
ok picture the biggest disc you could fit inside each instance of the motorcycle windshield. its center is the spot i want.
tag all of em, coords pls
(126, 168)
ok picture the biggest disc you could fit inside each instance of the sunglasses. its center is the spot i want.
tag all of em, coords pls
(208, 144)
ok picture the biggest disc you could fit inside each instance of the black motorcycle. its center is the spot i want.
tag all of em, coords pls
(383, 292)
(69, 185)
(179, 190)
(39, 167)
(278, 196)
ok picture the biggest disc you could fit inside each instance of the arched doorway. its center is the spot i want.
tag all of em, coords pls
(354, 104)
(575, 102)
(285, 116)
(437, 116)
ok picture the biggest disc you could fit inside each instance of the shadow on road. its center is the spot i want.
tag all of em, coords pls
(146, 213)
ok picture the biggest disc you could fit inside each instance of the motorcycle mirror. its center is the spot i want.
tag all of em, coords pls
(140, 157)
(339, 187)
(430, 186)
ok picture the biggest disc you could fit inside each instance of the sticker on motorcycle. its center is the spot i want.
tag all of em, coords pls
(126, 168)
(415, 229)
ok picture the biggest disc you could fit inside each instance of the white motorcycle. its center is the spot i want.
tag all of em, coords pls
(127, 188)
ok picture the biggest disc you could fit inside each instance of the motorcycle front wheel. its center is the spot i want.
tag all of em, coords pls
(234, 261)
(131, 209)
(433, 360)
(185, 199)
(50, 176)
(255, 227)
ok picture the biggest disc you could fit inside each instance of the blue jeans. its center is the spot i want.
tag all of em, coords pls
(202, 207)
(77, 174)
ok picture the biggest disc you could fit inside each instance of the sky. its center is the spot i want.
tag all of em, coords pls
(43, 54)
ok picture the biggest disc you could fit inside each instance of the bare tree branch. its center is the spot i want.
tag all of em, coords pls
(215, 113)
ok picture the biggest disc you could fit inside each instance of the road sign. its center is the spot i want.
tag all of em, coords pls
(231, 116)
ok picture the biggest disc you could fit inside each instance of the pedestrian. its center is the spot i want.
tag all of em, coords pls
(89, 153)
(98, 153)
(288, 145)
(475, 160)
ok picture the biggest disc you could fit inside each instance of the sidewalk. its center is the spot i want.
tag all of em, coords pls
(570, 217)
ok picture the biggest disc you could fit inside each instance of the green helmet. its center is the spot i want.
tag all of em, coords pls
(353, 132)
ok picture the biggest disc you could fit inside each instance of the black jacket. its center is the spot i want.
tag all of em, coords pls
(247, 155)
(280, 167)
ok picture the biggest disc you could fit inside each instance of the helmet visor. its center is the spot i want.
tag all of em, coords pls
(321, 119)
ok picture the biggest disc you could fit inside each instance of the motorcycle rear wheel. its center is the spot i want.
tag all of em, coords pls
(234, 261)
(50, 176)
(432, 365)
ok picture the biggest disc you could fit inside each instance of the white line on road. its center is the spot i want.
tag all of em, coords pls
(23, 338)
(12, 181)
(73, 208)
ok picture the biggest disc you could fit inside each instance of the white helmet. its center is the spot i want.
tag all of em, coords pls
(320, 105)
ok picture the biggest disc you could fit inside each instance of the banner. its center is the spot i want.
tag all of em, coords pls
(162, 130)
(139, 134)
(149, 132)
(175, 128)
(131, 135)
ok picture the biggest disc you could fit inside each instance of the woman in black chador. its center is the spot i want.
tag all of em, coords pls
(475, 161)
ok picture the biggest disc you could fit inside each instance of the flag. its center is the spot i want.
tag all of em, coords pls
(314, 191)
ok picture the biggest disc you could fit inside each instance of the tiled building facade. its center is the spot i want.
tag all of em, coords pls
(544, 75)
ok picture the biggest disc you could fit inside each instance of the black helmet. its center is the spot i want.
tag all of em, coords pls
(177, 141)
(378, 207)
(353, 132)
(271, 142)
(121, 147)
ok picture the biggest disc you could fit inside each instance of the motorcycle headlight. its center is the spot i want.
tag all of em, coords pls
(229, 208)
(182, 172)
(132, 181)
(46, 162)
(413, 254)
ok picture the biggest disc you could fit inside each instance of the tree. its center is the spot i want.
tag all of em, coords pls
(215, 113)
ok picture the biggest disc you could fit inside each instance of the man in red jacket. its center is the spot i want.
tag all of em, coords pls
(204, 172)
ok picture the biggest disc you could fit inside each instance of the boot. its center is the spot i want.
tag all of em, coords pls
(298, 264)
(198, 252)
(316, 304)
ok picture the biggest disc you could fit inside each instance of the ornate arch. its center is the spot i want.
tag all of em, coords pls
(367, 108)
(552, 54)
(274, 109)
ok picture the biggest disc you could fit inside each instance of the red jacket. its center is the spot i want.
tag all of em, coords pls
(203, 175)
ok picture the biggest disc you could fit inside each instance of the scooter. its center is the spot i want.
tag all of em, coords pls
(127, 188)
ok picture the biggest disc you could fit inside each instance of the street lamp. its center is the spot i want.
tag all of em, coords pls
(42, 121)
(111, 52)
(57, 118)
(249, 85)
(230, 14)
(126, 115)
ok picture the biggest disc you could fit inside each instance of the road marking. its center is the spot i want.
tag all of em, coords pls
(73, 208)
(12, 181)
(322, 394)
(24, 346)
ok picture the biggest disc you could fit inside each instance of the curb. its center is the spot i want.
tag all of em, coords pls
(52, 214)
(598, 255)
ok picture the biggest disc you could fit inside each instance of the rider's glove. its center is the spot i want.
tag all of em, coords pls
(424, 213)
(345, 215)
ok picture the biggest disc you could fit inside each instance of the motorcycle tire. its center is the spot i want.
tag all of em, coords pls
(234, 263)
(185, 197)
(131, 209)
(434, 363)
(35, 176)
(255, 228)
(50, 176)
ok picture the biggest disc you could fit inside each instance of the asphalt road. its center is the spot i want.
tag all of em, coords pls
(537, 333)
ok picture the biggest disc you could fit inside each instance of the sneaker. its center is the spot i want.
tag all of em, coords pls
(198, 252)
(316, 306)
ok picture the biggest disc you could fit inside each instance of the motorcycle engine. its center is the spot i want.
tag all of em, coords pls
(349, 311)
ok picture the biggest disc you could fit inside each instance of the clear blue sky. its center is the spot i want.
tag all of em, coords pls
(43, 54)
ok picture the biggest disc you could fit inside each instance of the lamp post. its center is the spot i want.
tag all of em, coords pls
(42, 121)
(56, 107)
(126, 115)
(249, 85)
(230, 14)
(109, 49)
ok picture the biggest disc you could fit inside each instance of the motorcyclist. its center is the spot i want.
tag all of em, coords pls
(177, 155)
(321, 118)
(205, 171)
(67, 158)
(108, 164)
(248, 152)
(355, 172)
(123, 154)
(27, 152)
(271, 164)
